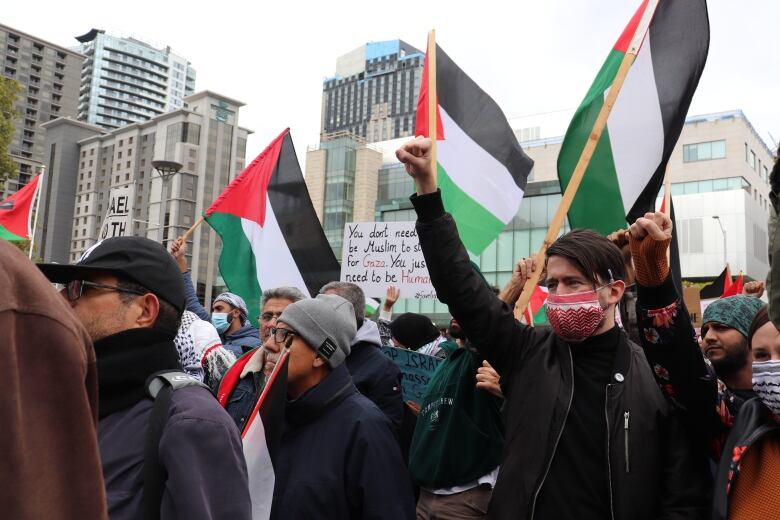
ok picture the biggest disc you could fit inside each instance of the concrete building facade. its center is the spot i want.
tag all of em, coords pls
(204, 136)
(49, 77)
(125, 80)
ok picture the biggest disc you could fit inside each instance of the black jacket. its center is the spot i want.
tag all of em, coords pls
(650, 471)
(375, 375)
(339, 458)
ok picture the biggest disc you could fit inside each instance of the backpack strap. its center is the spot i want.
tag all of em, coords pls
(160, 387)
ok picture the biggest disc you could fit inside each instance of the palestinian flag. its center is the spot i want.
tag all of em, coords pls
(261, 438)
(482, 171)
(16, 212)
(536, 311)
(371, 306)
(719, 285)
(736, 287)
(270, 233)
(627, 168)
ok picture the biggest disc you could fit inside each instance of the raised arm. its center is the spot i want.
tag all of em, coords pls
(666, 331)
(487, 321)
(179, 252)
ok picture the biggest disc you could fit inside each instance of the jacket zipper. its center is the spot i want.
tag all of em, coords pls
(625, 437)
(609, 466)
(560, 433)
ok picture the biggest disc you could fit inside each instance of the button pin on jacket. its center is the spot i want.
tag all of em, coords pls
(619, 377)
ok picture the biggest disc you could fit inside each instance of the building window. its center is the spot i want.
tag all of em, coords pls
(752, 160)
(704, 151)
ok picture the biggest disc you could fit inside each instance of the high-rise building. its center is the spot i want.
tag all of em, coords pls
(374, 92)
(125, 80)
(203, 136)
(49, 78)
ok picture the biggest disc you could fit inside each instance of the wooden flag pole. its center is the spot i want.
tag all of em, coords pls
(586, 156)
(197, 223)
(433, 99)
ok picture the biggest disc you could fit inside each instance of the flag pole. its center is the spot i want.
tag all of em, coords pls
(433, 99)
(37, 206)
(587, 155)
(667, 192)
(197, 223)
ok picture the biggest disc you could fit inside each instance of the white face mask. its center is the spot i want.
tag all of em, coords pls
(766, 383)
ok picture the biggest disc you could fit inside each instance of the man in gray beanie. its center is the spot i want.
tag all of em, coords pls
(334, 437)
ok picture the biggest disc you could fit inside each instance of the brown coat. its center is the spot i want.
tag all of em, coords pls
(48, 413)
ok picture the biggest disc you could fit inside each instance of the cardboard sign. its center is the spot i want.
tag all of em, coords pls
(378, 254)
(416, 371)
(692, 300)
(118, 221)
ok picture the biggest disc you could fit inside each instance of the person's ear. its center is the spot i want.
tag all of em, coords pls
(615, 291)
(318, 362)
(148, 309)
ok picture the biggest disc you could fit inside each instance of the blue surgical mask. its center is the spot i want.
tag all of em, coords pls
(220, 321)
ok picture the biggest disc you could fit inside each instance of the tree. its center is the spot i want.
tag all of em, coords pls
(9, 89)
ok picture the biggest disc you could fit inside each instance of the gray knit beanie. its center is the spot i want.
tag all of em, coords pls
(326, 323)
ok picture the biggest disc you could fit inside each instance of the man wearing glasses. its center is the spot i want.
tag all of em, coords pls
(338, 458)
(244, 381)
(129, 295)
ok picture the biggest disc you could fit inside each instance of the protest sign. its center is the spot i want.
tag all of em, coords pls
(118, 221)
(378, 254)
(416, 371)
(693, 303)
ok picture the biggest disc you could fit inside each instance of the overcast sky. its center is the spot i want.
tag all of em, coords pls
(530, 56)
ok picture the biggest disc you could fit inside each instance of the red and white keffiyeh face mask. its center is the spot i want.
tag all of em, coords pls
(575, 317)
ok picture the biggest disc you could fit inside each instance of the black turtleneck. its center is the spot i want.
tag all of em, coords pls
(125, 360)
(577, 485)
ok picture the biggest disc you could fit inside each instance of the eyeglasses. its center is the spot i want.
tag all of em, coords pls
(75, 288)
(268, 316)
(280, 335)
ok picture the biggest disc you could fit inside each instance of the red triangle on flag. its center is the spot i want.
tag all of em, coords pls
(15, 212)
(245, 196)
(421, 122)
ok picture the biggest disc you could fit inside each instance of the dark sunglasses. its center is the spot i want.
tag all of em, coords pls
(75, 288)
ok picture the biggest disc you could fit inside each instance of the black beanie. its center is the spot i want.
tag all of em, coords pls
(413, 330)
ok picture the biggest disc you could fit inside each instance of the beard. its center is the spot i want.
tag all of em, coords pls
(732, 361)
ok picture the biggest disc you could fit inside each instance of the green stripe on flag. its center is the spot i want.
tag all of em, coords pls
(7, 235)
(598, 204)
(237, 262)
(477, 226)
(540, 318)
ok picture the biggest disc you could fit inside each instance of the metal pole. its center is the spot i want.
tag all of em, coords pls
(163, 209)
(725, 259)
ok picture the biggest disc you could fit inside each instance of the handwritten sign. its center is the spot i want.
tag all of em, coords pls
(118, 221)
(378, 254)
(416, 371)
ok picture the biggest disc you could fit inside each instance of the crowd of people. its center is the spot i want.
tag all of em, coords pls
(128, 398)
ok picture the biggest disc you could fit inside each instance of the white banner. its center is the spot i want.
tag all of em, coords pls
(118, 221)
(378, 254)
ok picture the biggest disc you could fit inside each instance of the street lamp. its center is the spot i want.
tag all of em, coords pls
(166, 170)
(716, 217)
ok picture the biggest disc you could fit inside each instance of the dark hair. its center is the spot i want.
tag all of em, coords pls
(168, 318)
(353, 294)
(592, 254)
(759, 320)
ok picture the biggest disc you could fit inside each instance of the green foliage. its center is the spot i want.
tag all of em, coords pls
(9, 89)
